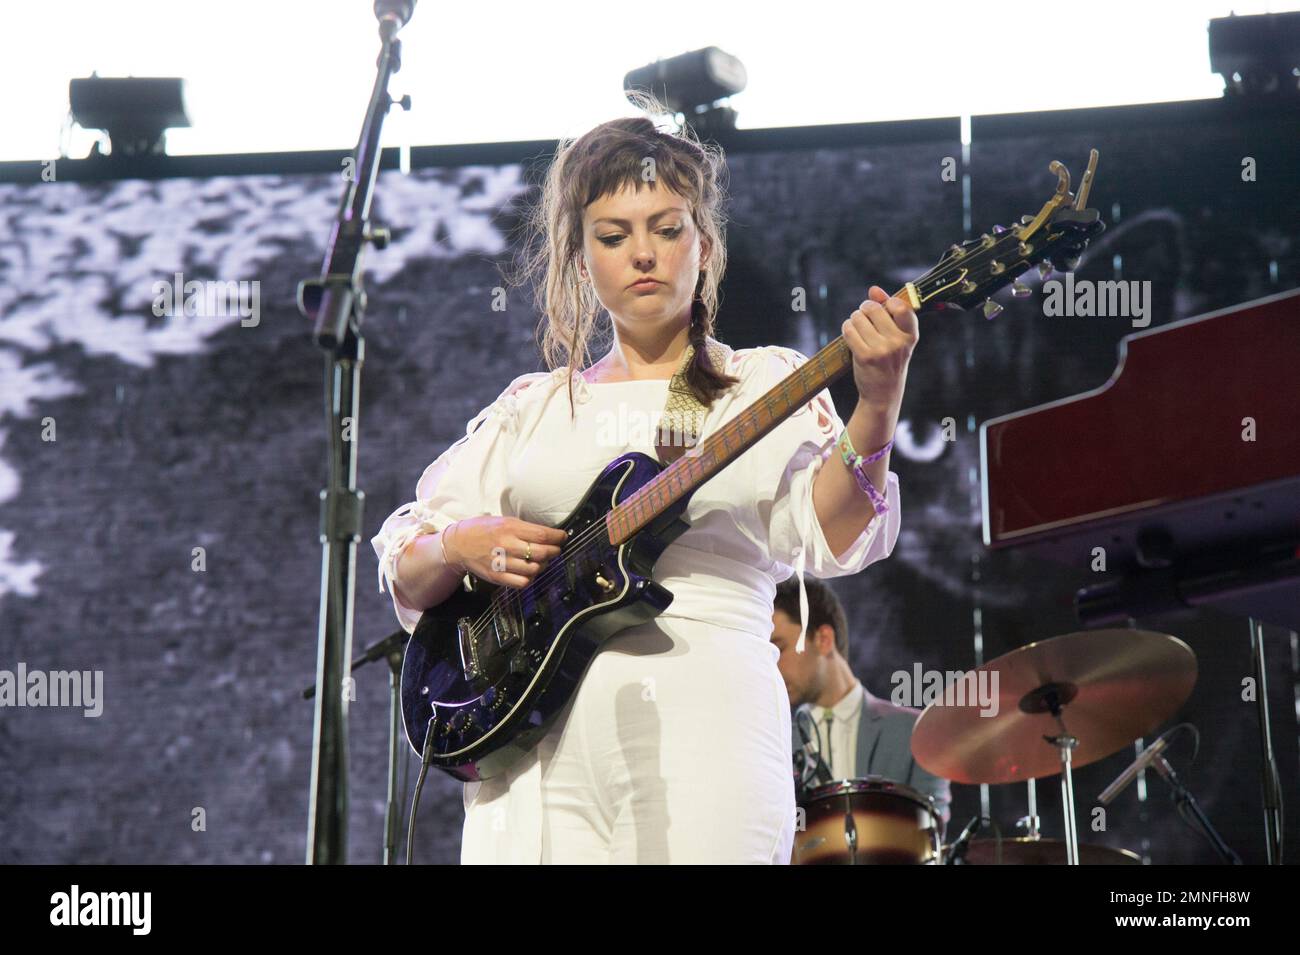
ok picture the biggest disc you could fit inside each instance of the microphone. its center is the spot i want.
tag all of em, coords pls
(399, 11)
(1149, 755)
(811, 757)
(957, 851)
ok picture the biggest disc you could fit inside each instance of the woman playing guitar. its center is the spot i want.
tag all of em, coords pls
(676, 746)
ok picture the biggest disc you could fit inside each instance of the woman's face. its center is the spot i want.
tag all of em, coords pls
(637, 234)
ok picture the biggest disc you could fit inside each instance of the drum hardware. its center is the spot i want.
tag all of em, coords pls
(1116, 685)
(1026, 851)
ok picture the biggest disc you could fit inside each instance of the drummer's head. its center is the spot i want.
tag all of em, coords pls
(807, 674)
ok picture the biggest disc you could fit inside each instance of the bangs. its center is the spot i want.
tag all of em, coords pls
(626, 167)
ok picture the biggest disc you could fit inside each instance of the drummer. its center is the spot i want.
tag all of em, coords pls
(858, 734)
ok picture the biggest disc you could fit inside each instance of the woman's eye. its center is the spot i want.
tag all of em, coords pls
(613, 240)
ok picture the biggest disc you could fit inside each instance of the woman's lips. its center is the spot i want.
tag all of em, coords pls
(644, 284)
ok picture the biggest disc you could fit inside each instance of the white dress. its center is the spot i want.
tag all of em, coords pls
(676, 747)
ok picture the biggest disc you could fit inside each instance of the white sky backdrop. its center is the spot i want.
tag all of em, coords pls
(271, 75)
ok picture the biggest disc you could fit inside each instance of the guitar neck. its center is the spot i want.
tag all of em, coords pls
(710, 456)
(967, 273)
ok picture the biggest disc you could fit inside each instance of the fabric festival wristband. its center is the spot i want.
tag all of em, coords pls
(856, 464)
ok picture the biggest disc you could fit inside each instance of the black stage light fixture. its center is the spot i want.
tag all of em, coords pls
(136, 112)
(1257, 55)
(692, 84)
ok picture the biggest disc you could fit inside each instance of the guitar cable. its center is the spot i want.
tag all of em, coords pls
(419, 785)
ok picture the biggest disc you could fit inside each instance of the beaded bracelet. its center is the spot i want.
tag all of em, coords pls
(856, 464)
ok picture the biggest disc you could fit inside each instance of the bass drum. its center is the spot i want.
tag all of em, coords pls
(867, 821)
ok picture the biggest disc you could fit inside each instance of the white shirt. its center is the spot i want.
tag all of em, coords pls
(752, 525)
(840, 744)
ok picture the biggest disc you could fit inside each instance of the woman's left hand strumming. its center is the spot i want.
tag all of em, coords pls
(881, 333)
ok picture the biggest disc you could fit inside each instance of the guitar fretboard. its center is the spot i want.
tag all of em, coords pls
(711, 455)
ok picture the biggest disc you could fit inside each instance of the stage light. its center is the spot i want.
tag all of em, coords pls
(136, 112)
(692, 84)
(1257, 55)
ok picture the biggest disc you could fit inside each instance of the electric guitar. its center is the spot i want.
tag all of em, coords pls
(487, 670)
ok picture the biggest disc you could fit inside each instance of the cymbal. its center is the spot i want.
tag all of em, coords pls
(1025, 851)
(1111, 686)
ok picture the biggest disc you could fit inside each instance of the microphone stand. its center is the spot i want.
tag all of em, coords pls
(336, 301)
(1183, 798)
(1271, 786)
(390, 648)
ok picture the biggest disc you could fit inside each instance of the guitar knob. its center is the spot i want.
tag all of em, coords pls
(1044, 270)
(1021, 290)
(459, 720)
(489, 696)
(991, 309)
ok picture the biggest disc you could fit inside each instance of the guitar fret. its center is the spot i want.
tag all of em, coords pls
(707, 457)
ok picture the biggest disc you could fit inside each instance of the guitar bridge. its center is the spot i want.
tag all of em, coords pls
(477, 649)
(469, 655)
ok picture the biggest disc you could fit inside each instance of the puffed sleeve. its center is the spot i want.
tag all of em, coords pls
(467, 480)
(792, 455)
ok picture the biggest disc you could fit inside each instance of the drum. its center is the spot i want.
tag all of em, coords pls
(1026, 851)
(868, 821)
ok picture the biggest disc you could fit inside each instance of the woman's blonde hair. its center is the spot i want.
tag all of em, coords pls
(616, 154)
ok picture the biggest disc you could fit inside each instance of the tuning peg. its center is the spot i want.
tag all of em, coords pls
(998, 230)
(1044, 270)
(991, 309)
(1021, 290)
(1071, 263)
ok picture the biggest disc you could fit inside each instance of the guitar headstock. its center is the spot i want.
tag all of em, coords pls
(1054, 239)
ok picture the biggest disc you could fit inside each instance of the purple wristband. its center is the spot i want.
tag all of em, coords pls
(856, 464)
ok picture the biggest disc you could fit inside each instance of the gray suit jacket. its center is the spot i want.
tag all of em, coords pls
(885, 749)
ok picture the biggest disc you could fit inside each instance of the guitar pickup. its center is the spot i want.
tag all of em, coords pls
(507, 630)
